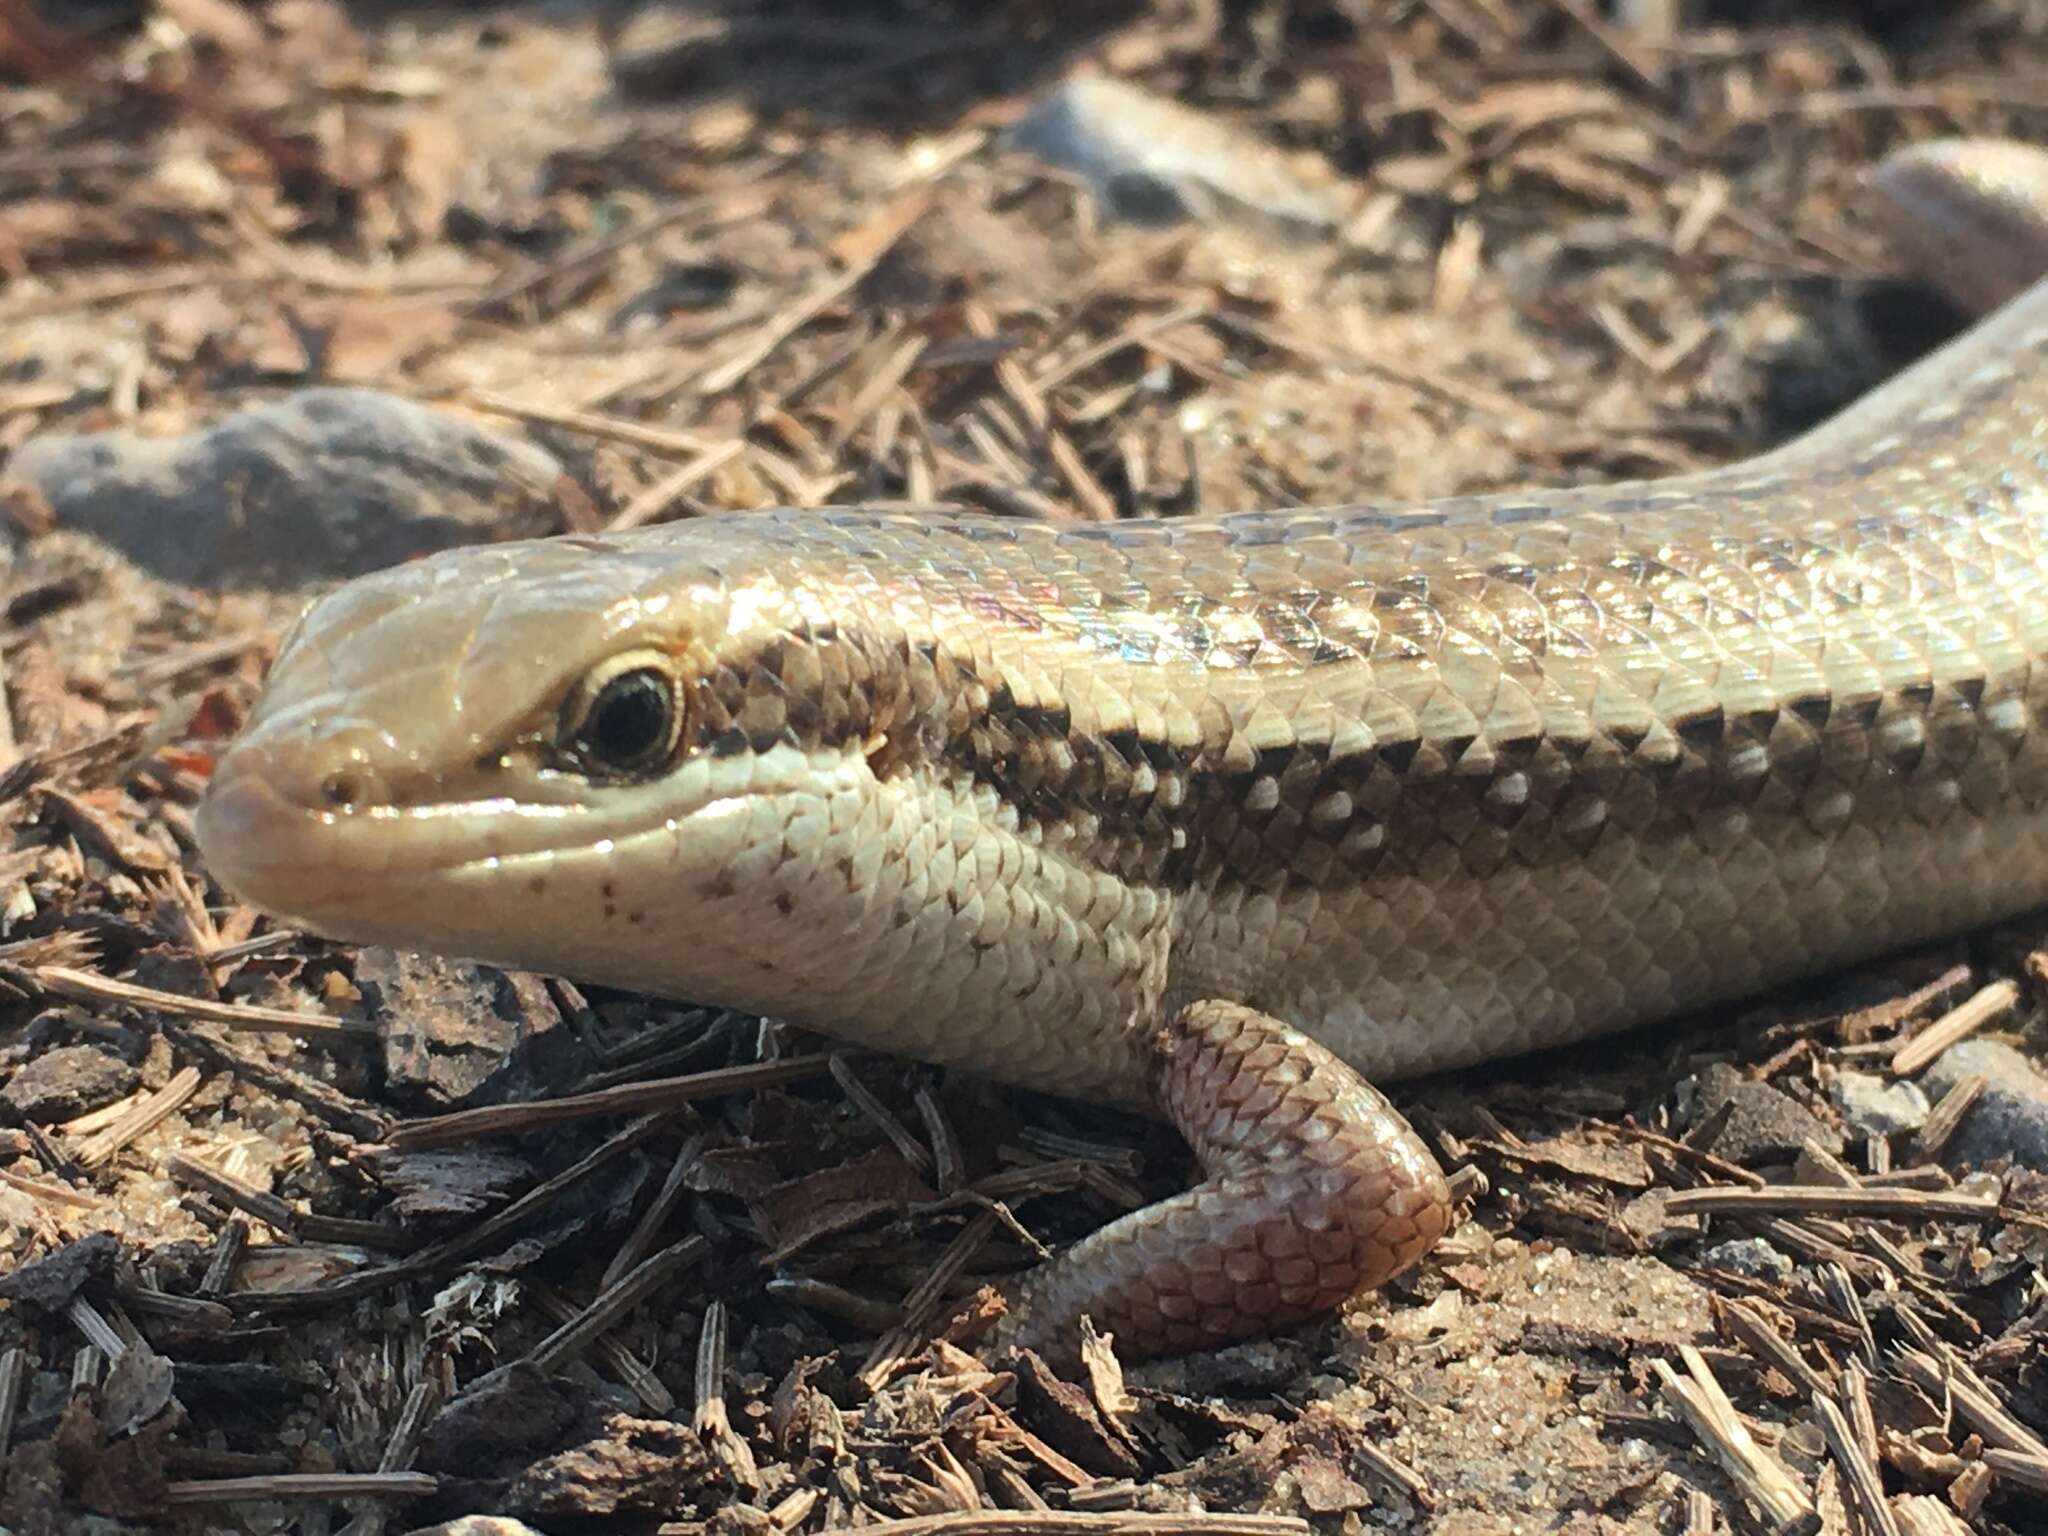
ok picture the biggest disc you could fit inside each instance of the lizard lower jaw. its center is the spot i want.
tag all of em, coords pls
(261, 846)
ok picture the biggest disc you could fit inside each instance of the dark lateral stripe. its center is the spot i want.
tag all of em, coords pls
(1177, 817)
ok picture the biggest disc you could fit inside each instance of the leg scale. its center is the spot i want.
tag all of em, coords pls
(1316, 1189)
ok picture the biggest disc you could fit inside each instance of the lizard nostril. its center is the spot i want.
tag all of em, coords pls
(343, 790)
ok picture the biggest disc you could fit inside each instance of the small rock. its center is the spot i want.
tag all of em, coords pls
(67, 1082)
(1766, 1126)
(136, 1390)
(650, 1466)
(51, 1281)
(1154, 161)
(448, 1024)
(1647, 1217)
(1750, 1256)
(20, 1224)
(2010, 1117)
(319, 485)
(498, 1424)
(1876, 1106)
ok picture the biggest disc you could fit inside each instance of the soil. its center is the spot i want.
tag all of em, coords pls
(663, 261)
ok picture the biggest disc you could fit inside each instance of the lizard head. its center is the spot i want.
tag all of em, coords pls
(596, 756)
(772, 761)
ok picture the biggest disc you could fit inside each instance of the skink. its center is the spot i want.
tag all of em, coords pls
(1220, 816)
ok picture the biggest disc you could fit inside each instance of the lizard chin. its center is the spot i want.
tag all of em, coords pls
(664, 887)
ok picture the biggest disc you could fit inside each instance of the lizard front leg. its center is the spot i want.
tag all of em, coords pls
(1316, 1189)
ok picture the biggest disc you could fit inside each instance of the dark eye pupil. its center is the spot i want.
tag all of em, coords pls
(629, 722)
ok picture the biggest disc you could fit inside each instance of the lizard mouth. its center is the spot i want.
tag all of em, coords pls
(350, 855)
(305, 856)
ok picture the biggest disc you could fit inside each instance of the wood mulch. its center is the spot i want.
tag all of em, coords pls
(301, 1238)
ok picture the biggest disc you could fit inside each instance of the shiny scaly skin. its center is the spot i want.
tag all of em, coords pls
(1431, 784)
(1969, 214)
(1434, 784)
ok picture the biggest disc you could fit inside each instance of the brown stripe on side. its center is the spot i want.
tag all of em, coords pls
(1335, 804)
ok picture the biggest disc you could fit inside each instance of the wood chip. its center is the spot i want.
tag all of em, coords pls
(1858, 1467)
(652, 504)
(980, 1522)
(611, 1304)
(921, 1306)
(91, 987)
(236, 1193)
(1921, 1514)
(659, 1095)
(2028, 1470)
(1749, 1327)
(139, 1119)
(1782, 1199)
(1955, 1026)
(1786, 1505)
(293, 1486)
(1974, 1400)
(13, 1379)
(667, 441)
(861, 250)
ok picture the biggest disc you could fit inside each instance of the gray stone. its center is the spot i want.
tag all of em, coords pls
(319, 485)
(1877, 1106)
(2010, 1117)
(21, 1224)
(136, 1390)
(1750, 1256)
(499, 1423)
(1766, 1126)
(1151, 160)
(67, 1082)
(448, 1024)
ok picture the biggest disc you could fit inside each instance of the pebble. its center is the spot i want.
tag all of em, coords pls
(1152, 161)
(21, 1226)
(319, 485)
(64, 1083)
(1750, 1256)
(1767, 1126)
(2010, 1117)
(1878, 1106)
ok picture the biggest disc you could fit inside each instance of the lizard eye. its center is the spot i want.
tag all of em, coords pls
(626, 715)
